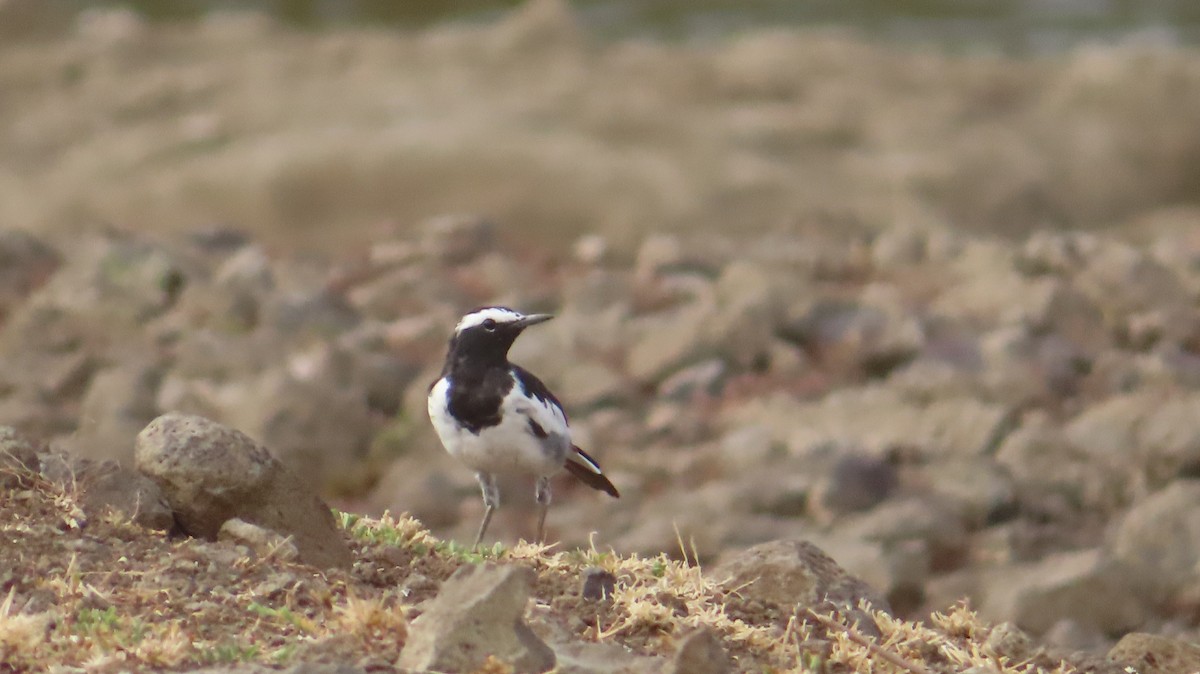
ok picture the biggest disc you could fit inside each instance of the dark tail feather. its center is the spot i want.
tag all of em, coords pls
(592, 479)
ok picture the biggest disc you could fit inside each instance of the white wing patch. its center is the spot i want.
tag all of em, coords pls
(544, 413)
(498, 314)
(584, 460)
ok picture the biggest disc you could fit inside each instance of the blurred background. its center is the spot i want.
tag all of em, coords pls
(916, 281)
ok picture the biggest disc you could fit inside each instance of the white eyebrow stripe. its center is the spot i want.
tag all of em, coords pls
(498, 314)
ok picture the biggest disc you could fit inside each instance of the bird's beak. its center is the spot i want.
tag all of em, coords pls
(532, 319)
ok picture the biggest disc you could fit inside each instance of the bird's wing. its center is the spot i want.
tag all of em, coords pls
(548, 415)
(548, 411)
(587, 471)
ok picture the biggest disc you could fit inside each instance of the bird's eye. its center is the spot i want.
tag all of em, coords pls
(489, 325)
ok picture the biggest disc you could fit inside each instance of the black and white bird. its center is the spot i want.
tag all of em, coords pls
(497, 417)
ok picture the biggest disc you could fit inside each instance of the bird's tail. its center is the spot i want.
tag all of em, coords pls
(587, 471)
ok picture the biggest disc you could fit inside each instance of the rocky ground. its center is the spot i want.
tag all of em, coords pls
(948, 416)
(92, 585)
(937, 315)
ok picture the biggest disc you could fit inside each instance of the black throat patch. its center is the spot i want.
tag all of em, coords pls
(475, 401)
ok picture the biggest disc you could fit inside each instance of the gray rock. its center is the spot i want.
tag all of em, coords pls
(582, 657)
(776, 488)
(1008, 640)
(432, 488)
(748, 309)
(975, 491)
(1052, 252)
(796, 572)
(668, 341)
(456, 239)
(25, 264)
(875, 334)
(1043, 462)
(856, 482)
(316, 311)
(211, 473)
(596, 291)
(657, 254)
(949, 426)
(1142, 652)
(18, 458)
(911, 518)
(119, 402)
(899, 246)
(240, 289)
(314, 415)
(301, 668)
(263, 542)
(704, 378)
(106, 485)
(478, 612)
(598, 584)
(1068, 635)
(1123, 279)
(1149, 432)
(1085, 586)
(593, 384)
(699, 652)
(1158, 540)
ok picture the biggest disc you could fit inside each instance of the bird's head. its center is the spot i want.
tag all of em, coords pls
(488, 332)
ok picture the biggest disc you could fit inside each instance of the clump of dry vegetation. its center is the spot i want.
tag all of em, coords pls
(105, 594)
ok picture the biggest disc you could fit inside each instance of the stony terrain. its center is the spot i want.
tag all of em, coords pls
(937, 315)
(89, 587)
(947, 416)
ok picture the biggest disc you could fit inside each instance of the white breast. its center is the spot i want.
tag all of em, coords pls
(510, 446)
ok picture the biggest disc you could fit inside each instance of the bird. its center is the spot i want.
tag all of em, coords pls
(497, 417)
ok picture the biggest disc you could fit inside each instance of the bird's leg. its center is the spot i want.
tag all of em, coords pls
(542, 494)
(491, 500)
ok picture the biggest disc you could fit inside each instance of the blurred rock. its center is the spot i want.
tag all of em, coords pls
(25, 264)
(657, 254)
(18, 458)
(1043, 461)
(855, 483)
(211, 473)
(1068, 635)
(1084, 586)
(455, 239)
(479, 611)
(977, 492)
(262, 542)
(1142, 652)
(321, 430)
(1158, 541)
(539, 28)
(668, 341)
(916, 518)
(1149, 432)
(242, 286)
(107, 486)
(598, 585)
(430, 488)
(876, 334)
(582, 657)
(1124, 280)
(703, 378)
(699, 652)
(945, 427)
(797, 573)
(593, 384)
(748, 311)
(119, 402)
